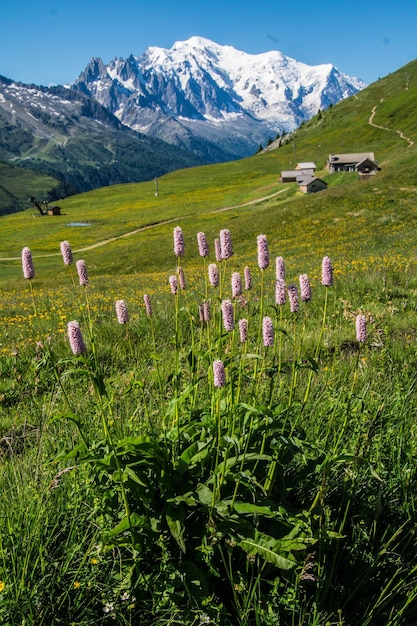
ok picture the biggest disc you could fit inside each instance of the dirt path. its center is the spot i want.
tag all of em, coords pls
(104, 242)
(371, 122)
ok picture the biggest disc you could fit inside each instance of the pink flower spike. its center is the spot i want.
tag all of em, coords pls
(263, 252)
(66, 253)
(326, 272)
(236, 285)
(268, 332)
(206, 311)
(248, 278)
(219, 373)
(243, 330)
(305, 288)
(228, 316)
(122, 312)
(148, 306)
(213, 275)
(226, 244)
(27, 264)
(82, 273)
(280, 268)
(181, 279)
(361, 333)
(75, 338)
(218, 250)
(203, 248)
(179, 247)
(280, 292)
(293, 298)
(173, 284)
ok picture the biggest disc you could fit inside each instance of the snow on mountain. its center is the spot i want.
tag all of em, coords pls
(215, 100)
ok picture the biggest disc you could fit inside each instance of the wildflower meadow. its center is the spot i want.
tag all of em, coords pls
(234, 446)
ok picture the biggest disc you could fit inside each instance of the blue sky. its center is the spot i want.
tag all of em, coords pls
(51, 41)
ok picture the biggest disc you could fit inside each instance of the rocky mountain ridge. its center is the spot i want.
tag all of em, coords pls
(214, 100)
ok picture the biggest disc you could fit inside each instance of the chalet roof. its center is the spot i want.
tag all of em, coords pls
(305, 180)
(369, 160)
(289, 173)
(310, 179)
(353, 157)
(307, 165)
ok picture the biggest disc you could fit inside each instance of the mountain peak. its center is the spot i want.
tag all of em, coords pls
(199, 92)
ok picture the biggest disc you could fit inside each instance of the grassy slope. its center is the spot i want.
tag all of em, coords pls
(350, 219)
(18, 184)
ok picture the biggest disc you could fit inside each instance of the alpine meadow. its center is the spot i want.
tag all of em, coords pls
(208, 408)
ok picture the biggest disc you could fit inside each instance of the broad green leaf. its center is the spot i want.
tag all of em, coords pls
(252, 509)
(125, 524)
(205, 495)
(269, 549)
(175, 520)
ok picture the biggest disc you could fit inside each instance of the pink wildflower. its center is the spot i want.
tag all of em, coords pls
(121, 312)
(179, 246)
(75, 338)
(248, 278)
(243, 330)
(326, 272)
(181, 278)
(280, 292)
(218, 250)
(263, 252)
(226, 244)
(27, 264)
(280, 268)
(293, 298)
(148, 306)
(268, 331)
(173, 284)
(361, 333)
(82, 273)
(228, 316)
(213, 274)
(236, 285)
(206, 311)
(305, 288)
(219, 373)
(203, 247)
(66, 253)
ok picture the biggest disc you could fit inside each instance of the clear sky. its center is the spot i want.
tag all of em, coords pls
(51, 41)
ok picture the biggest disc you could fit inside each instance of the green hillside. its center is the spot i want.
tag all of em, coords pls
(67, 137)
(182, 445)
(351, 217)
(17, 185)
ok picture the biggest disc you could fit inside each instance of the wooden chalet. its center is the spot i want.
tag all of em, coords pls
(293, 176)
(310, 184)
(362, 162)
(54, 210)
(307, 165)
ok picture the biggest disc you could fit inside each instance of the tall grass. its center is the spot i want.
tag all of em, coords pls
(220, 457)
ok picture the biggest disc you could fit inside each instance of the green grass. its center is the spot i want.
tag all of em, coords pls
(316, 436)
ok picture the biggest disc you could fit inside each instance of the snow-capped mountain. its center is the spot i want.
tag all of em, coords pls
(217, 101)
(73, 139)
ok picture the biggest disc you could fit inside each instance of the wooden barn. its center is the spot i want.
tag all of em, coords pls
(311, 184)
(352, 162)
(54, 210)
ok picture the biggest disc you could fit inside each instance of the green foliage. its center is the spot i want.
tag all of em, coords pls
(136, 492)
